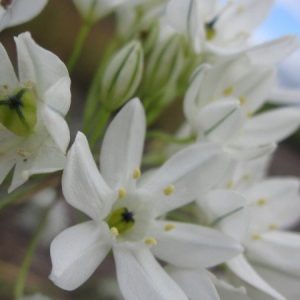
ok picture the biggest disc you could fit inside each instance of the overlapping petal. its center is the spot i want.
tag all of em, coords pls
(193, 246)
(141, 277)
(123, 145)
(76, 253)
(83, 186)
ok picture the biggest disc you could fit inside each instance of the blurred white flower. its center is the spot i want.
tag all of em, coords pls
(212, 28)
(258, 219)
(33, 133)
(15, 12)
(125, 212)
(222, 101)
(201, 284)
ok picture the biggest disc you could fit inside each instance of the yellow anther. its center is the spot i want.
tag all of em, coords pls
(151, 241)
(230, 184)
(246, 177)
(273, 227)
(136, 173)
(114, 231)
(122, 193)
(256, 236)
(261, 202)
(169, 227)
(169, 190)
(242, 100)
(228, 91)
(249, 114)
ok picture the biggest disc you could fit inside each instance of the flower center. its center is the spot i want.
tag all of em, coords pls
(121, 219)
(210, 29)
(18, 111)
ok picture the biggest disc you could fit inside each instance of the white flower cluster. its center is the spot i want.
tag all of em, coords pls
(221, 227)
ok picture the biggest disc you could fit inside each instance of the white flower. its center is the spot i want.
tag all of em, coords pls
(270, 207)
(96, 9)
(200, 284)
(34, 135)
(226, 112)
(210, 28)
(124, 212)
(15, 12)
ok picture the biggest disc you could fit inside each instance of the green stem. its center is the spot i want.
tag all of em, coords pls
(102, 117)
(81, 38)
(170, 138)
(20, 284)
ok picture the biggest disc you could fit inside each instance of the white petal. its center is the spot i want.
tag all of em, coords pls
(197, 284)
(192, 246)
(83, 185)
(248, 153)
(273, 52)
(286, 284)
(229, 208)
(192, 95)
(228, 292)
(186, 18)
(220, 121)
(270, 127)
(190, 172)
(46, 71)
(123, 144)
(21, 11)
(141, 277)
(241, 268)
(57, 127)
(242, 17)
(279, 250)
(282, 202)
(7, 74)
(76, 253)
(285, 96)
(47, 158)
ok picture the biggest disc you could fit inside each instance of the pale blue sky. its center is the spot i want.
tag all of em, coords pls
(284, 19)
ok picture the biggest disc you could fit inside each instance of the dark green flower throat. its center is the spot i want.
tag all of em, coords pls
(18, 112)
(121, 219)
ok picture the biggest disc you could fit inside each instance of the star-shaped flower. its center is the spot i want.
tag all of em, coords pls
(127, 211)
(33, 133)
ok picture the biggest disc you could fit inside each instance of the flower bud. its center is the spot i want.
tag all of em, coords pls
(122, 76)
(165, 63)
(18, 112)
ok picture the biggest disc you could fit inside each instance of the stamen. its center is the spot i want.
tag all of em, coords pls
(114, 231)
(122, 193)
(242, 100)
(273, 227)
(230, 184)
(169, 227)
(169, 190)
(256, 236)
(136, 173)
(261, 202)
(228, 91)
(151, 241)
